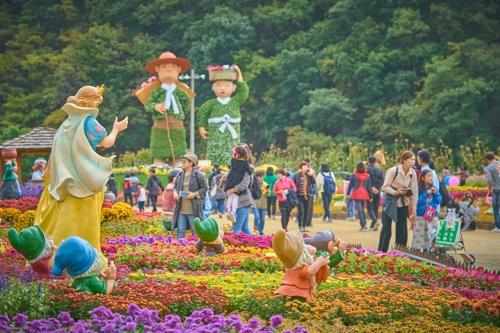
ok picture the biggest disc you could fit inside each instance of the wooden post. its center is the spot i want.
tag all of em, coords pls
(19, 162)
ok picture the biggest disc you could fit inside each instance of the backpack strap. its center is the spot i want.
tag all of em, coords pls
(396, 174)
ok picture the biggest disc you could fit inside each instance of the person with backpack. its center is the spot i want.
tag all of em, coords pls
(153, 186)
(325, 181)
(238, 169)
(217, 192)
(304, 182)
(127, 190)
(237, 187)
(282, 187)
(111, 185)
(359, 191)
(270, 178)
(377, 179)
(211, 184)
(134, 181)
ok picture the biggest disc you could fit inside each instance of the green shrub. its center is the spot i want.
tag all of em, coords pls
(28, 298)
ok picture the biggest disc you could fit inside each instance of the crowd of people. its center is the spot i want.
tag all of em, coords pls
(411, 191)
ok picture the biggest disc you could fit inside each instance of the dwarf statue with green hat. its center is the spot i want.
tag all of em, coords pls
(219, 119)
(37, 249)
(303, 270)
(210, 236)
(76, 256)
(168, 100)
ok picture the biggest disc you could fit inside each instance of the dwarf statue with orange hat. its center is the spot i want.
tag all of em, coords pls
(168, 101)
(303, 270)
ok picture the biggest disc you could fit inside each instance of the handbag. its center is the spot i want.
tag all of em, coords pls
(488, 199)
(430, 212)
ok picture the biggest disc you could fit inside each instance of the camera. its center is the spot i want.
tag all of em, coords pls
(409, 193)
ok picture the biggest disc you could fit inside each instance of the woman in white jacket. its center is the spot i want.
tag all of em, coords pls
(325, 181)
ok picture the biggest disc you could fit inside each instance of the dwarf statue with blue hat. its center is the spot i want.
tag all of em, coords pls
(84, 264)
(210, 235)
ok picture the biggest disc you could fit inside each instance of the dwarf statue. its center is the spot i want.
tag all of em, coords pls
(9, 186)
(219, 118)
(210, 236)
(325, 243)
(168, 100)
(303, 270)
(39, 169)
(84, 264)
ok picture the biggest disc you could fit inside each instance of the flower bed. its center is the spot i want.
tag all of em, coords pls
(170, 286)
(13, 217)
(32, 189)
(136, 319)
(23, 204)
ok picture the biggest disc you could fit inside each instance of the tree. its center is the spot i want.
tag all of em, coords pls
(460, 95)
(328, 112)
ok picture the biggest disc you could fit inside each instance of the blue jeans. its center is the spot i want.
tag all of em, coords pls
(360, 208)
(496, 207)
(259, 219)
(219, 206)
(350, 208)
(182, 223)
(327, 200)
(241, 224)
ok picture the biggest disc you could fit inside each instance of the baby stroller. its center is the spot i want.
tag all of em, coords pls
(449, 238)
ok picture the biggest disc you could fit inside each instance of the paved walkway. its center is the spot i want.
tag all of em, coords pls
(484, 245)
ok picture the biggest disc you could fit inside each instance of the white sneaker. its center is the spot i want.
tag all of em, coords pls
(495, 230)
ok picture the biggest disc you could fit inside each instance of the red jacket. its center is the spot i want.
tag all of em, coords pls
(360, 186)
(283, 184)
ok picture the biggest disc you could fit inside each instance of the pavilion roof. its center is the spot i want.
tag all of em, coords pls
(37, 138)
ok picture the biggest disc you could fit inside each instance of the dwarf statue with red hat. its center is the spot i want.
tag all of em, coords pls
(219, 118)
(168, 100)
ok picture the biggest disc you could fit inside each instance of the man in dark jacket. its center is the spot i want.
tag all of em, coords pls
(189, 192)
(153, 186)
(377, 179)
(305, 183)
